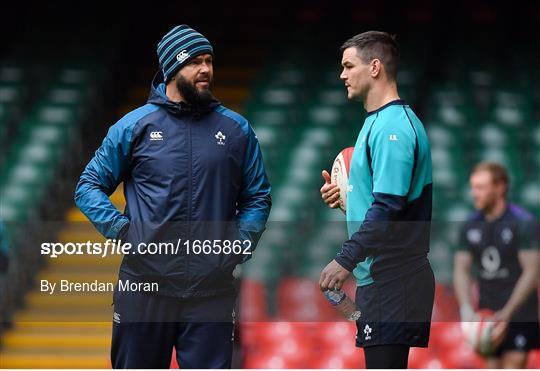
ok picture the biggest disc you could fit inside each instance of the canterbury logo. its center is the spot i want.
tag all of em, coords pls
(182, 56)
(156, 135)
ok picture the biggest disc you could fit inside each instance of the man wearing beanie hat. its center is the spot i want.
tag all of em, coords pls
(178, 47)
(195, 185)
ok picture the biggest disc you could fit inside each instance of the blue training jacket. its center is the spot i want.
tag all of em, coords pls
(186, 177)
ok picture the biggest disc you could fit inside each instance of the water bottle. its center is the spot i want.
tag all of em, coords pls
(343, 303)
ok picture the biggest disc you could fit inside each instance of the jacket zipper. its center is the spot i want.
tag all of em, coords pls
(190, 190)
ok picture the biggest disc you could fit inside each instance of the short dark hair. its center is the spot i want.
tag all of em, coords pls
(376, 44)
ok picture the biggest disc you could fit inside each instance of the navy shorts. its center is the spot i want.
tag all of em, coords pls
(521, 336)
(396, 312)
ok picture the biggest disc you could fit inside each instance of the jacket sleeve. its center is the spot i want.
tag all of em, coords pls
(104, 172)
(255, 201)
(393, 156)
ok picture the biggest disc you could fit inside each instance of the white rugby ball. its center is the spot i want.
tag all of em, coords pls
(340, 174)
(479, 333)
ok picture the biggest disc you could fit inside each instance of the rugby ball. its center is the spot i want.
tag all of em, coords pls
(340, 174)
(482, 334)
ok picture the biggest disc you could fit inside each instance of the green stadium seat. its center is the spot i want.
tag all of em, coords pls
(267, 265)
(329, 78)
(511, 107)
(51, 114)
(278, 97)
(25, 174)
(65, 96)
(481, 78)
(535, 135)
(440, 256)
(267, 135)
(408, 81)
(441, 136)
(9, 94)
(283, 213)
(73, 76)
(509, 115)
(330, 232)
(451, 115)
(9, 212)
(36, 153)
(530, 195)
(457, 213)
(318, 136)
(48, 134)
(18, 199)
(325, 115)
(11, 75)
(333, 96)
(268, 116)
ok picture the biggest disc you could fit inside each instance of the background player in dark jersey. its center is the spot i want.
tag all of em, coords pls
(501, 239)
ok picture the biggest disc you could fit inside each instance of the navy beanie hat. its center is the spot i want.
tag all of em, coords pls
(179, 46)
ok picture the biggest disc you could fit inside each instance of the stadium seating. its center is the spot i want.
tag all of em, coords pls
(44, 136)
(42, 151)
(299, 110)
(534, 359)
(300, 345)
(13, 97)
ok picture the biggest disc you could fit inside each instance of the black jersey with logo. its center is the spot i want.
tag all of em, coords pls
(494, 246)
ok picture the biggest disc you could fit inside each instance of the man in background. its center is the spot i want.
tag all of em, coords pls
(501, 240)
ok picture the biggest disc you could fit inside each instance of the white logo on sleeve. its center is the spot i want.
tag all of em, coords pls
(393, 137)
(156, 135)
(367, 331)
(507, 235)
(116, 317)
(182, 56)
(220, 138)
(474, 236)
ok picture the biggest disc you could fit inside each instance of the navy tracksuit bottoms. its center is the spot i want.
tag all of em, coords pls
(146, 328)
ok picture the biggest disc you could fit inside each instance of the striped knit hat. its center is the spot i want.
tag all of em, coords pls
(179, 46)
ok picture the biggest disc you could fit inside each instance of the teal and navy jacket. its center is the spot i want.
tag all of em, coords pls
(389, 197)
(187, 176)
